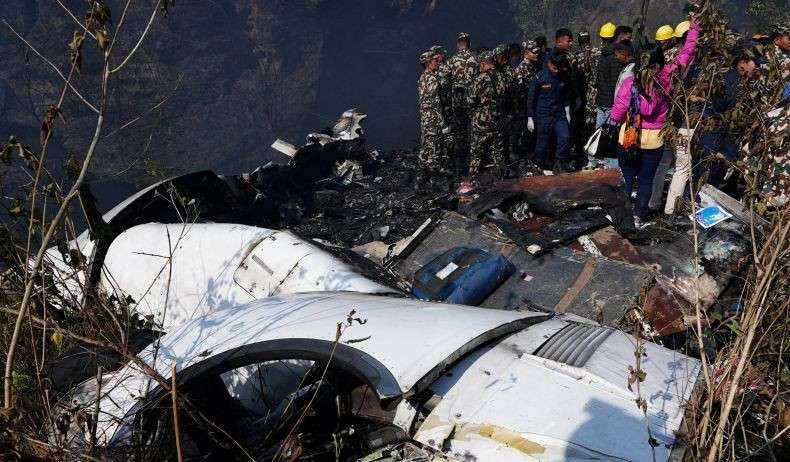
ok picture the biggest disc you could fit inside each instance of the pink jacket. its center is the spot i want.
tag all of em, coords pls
(655, 109)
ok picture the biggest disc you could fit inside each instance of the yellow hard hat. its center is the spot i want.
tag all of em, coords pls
(607, 30)
(682, 28)
(665, 32)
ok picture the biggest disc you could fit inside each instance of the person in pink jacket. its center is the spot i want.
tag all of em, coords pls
(649, 89)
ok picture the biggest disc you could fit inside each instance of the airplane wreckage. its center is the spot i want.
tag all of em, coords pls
(328, 309)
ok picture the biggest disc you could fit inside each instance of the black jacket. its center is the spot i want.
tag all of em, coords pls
(608, 72)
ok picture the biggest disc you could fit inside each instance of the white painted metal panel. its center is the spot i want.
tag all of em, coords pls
(215, 266)
(197, 279)
(409, 337)
(501, 404)
(283, 263)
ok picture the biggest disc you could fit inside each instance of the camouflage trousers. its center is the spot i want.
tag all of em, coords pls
(459, 152)
(590, 108)
(448, 149)
(485, 144)
(432, 151)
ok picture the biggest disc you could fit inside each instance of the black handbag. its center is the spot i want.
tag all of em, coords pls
(603, 142)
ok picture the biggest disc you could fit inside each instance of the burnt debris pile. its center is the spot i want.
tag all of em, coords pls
(371, 199)
(568, 237)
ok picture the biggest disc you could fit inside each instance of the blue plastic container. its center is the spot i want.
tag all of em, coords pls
(462, 275)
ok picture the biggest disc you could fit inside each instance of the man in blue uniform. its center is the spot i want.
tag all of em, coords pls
(548, 112)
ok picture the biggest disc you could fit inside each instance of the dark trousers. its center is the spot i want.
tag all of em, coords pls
(579, 133)
(544, 127)
(659, 181)
(461, 138)
(713, 169)
(640, 168)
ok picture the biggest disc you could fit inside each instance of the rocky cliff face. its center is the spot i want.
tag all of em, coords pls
(217, 81)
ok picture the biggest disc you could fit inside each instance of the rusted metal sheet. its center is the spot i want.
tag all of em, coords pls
(556, 194)
(664, 311)
(614, 247)
(579, 203)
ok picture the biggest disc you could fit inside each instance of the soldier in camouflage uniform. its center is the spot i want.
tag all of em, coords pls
(588, 66)
(486, 113)
(432, 121)
(777, 57)
(528, 67)
(777, 187)
(444, 74)
(775, 82)
(525, 72)
(463, 68)
(506, 90)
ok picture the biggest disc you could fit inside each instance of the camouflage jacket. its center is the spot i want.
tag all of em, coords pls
(445, 77)
(525, 72)
(778, 185)
(484, 104)
(573, 59)
(429, 104)
(587, 66)
(775, 70)
(506, 88)
(771, 168)
(587, 62)
(463, 66)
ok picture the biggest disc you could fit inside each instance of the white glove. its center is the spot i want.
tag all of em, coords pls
(568, 113)
(530, 125)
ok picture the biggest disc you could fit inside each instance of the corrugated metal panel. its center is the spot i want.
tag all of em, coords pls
(574, 344)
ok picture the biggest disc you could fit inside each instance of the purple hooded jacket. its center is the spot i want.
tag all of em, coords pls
(655, 109)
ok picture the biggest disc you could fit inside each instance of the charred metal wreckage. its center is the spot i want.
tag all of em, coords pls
(319, 310)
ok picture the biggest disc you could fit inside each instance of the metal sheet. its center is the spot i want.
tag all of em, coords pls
(282, 263)
(503, 403)
(215, 266)
(664, 311)
(574, 344)
(614, 247)
(394, 334)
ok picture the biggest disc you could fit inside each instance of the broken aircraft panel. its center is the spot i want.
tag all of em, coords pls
(188, 270)
(493, 402)
(562, 281)
(232, 315)
(610, 244)
(387, 348)
(478, 386)
(579, 203)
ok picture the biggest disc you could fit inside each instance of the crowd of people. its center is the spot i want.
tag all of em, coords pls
(494, 108)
